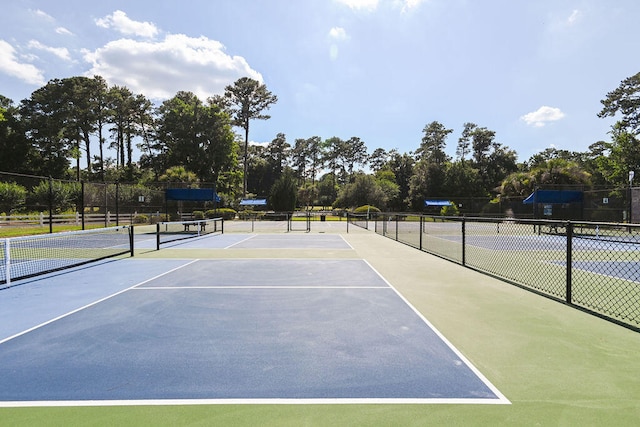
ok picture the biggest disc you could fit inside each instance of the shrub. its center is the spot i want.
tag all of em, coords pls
(450, 210)
(225, 213)
(491, 208)
(159, 218)
(141, 219)
(65, 195)
(198, 215)
(365, 209)
(247, 214)
(12, 196)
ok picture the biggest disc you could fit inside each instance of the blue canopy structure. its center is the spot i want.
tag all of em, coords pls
(437, 203)
(554, 197)
(253, 202)
(192, 194)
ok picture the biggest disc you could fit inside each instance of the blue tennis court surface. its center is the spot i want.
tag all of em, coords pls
(225, 331)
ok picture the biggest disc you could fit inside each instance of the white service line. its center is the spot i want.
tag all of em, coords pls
(241, 241)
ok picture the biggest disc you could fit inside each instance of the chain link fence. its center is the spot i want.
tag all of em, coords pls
(27, 200)
(599, 204)
(594, 266)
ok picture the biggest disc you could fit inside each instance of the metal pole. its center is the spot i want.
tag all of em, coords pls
(131, 239)
(106, 205)
(7, 261)
(631, 175)
(569, 227)
(117, 204)
(50, 205)
(397, 220)
(464, 241)
(82, 202)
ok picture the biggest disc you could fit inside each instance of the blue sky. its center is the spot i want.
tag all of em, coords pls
(532, 71)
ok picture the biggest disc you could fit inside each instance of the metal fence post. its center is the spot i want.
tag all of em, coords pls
(82, 202)
(464, 242)
(569, 228)
(397, 220)
(131, 239)
(117, 203)
(50, 205)
(420, 231)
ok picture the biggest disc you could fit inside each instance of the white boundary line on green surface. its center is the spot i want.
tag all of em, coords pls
(501, 398)
(275, 401)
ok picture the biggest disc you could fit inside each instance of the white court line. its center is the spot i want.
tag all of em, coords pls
(92, 304)
(345, 240)
(274, 401)
(241, 241)
(162, 288)
(475, 370)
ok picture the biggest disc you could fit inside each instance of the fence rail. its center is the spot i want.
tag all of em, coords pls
(589, 265)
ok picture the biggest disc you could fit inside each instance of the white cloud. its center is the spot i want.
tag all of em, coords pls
(408, 5)
(160, 69)
(360, 5)
(574, 17)
(120, 22)
(43, 15)
(60, 52)
(542, 116)
(64, 31)
(10, 65)
(338, 33)
(405, 6)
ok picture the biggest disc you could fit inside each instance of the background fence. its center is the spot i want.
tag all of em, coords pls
(589, 265)
(600, 204)
(41, 201)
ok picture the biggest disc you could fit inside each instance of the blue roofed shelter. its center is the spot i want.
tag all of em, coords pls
(556, 204)
(253, 202)
(434, 207)
(436, 203)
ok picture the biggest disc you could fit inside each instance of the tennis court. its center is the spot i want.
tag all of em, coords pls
(143, 332)
(227, 330)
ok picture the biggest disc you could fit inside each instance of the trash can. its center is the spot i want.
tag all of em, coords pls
(323, 218)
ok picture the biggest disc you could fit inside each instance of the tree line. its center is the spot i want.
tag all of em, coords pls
(189, 140)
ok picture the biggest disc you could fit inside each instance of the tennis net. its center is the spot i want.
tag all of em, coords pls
(28, 256)
(172, 231)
